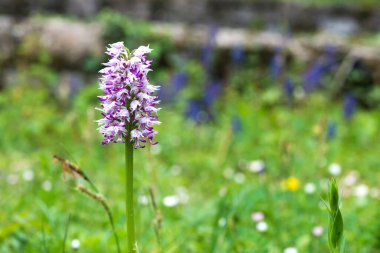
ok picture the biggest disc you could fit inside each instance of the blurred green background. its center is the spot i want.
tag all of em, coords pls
(258, 113)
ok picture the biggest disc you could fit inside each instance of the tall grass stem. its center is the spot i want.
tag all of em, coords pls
(66, 233)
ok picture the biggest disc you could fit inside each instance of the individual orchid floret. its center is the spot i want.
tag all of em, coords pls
(128, 101)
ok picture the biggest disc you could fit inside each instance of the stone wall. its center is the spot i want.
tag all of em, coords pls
(233, 13)
(69, 42)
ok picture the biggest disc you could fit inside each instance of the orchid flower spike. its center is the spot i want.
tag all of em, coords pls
(128, 97)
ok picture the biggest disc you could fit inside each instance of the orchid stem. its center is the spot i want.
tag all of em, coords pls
(131, 247)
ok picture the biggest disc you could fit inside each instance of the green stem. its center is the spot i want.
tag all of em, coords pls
(129, 192)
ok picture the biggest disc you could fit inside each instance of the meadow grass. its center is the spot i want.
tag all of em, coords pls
(204, 166)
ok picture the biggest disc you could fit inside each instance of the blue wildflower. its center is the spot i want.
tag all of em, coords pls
(331, 130)
(276, 65)
(349, 106)
(178, 82)
(313, 76)
(325, 64)
(211, 92)
(237, 56)
(288, 88)
(196, 111)
(330, 61)
(236, 124)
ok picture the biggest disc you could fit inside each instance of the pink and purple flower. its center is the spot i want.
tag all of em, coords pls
(128, 97)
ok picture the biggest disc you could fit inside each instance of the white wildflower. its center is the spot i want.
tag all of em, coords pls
(256, 166)
(46, 185)
(75, 244)
(28, 175)
(262, 226)
(310, 188)
(335, 169)
(290, 250)
(317, 231)
(171, 201)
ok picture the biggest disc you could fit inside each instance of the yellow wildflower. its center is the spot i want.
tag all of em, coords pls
(291, 184)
